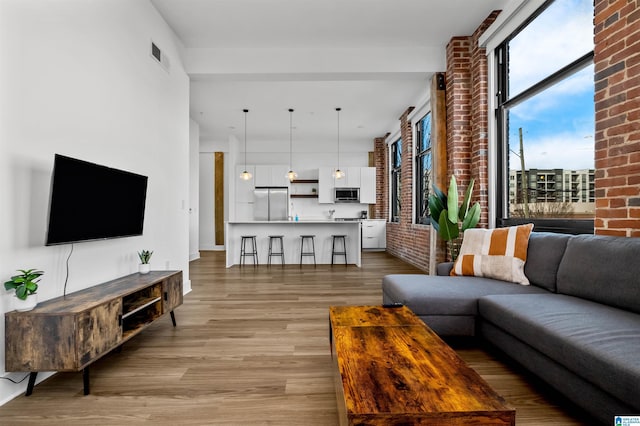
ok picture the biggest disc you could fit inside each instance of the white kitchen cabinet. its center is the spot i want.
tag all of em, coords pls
(271, 175)
(374, 234)
(325, 185)
(368, 185)
(351, 178)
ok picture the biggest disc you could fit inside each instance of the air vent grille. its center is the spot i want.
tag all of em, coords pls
(160, 57)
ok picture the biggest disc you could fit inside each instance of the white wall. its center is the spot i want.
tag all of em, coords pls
(76, 78)
(206, 217)
(206, 192)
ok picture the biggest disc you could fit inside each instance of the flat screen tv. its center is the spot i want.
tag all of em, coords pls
(93, 202)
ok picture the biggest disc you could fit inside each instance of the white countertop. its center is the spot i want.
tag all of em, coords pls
(293, 222)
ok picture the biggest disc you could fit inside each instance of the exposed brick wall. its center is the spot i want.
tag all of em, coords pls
(381, 162)
(459, 98)
(467, 115)
(405, 239)
(617, 109)
(467, 146)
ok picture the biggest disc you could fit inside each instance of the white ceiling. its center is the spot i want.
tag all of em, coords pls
(372, 58)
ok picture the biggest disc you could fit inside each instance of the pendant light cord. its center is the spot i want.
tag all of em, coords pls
(245, 138)
(338, 110)
(290, 139)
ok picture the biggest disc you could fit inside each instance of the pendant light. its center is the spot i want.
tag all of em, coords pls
(338, 174)
(291, 175)
(245, 175)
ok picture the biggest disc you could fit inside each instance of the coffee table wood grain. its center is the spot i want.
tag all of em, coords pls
(391, 369)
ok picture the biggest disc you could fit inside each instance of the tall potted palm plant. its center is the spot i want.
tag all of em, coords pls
(449, 219)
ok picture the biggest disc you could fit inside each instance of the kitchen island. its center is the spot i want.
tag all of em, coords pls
(291, 230)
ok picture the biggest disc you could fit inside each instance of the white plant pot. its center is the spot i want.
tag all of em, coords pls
(144, 268)
(26, 305)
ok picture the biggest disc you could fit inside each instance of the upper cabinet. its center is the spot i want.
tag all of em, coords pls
(351, 178)
(325, 185)
(355, 177)
(368, 185)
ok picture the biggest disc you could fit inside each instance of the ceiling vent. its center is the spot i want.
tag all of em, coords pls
(160, 57)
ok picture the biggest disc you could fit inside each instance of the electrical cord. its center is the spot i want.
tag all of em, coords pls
(66, 278)
(16, 381)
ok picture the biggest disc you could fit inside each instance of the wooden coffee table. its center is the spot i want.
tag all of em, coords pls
(391, 369)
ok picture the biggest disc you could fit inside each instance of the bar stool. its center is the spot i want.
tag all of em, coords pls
(243, 250)
(308, 238)
(336, 238)
(280, 253)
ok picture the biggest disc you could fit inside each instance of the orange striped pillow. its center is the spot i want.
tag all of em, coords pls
(495, 253)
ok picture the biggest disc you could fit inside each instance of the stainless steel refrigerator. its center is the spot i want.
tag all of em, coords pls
(270, 203)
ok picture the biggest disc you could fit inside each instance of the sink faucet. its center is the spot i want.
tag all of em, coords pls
(331, 212)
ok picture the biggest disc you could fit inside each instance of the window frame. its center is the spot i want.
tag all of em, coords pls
(503, 104)
(395, 168)
(422, 216)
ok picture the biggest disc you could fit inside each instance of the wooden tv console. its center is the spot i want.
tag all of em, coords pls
(70, 332)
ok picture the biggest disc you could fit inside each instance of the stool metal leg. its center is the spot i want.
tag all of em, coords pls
(242, 250)
(281, 250)
(313, 248)
(244, 253)
(280, 253)
(255, 252)
(335, 253)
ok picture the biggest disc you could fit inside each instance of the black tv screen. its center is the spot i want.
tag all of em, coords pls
(93, 202)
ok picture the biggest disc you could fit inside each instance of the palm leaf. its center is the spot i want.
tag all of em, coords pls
(452, 200)
(472, 218)
(464, 208)
(448, 230)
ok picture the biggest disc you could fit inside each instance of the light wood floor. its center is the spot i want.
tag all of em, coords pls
(251, 348)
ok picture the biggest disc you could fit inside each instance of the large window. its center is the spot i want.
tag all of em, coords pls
(424, 161)
(396, 187)
(546, 116)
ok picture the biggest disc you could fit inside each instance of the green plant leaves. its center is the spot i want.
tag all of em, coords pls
(145, 256)
(472, 217)
(448, 230)
(464, 208)
(446, 215)
(452, 200)
(437, 204)
(24, 284)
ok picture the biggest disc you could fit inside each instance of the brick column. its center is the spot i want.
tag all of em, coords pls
(617, 109)
(459, 97)
(467, 115)
(480, 120)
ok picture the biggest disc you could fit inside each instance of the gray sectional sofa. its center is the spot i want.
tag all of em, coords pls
(577, 326)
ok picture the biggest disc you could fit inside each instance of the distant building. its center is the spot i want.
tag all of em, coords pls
(575, 189)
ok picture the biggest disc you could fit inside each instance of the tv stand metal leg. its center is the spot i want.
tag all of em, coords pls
(85, 380)
(173, 318)
(31, 383)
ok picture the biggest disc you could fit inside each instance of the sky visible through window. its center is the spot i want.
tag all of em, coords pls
(558, 123)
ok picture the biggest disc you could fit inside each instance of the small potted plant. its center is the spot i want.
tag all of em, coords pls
(145, 257)
(25, 286)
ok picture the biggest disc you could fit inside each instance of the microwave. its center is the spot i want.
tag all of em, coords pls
(347, 195)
